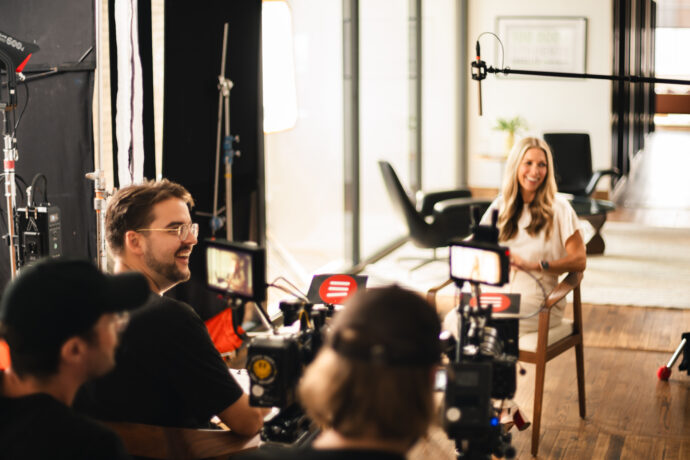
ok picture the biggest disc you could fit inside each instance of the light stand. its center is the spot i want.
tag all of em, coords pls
(229, 142)
(98, 175)
(14, 54)
(9, 159)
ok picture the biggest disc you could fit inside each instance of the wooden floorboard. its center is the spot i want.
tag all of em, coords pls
(630, 413)
(634, 328)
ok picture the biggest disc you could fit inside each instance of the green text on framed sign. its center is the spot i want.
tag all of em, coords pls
(551, 44)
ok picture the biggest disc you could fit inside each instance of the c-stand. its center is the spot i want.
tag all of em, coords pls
(229, 143)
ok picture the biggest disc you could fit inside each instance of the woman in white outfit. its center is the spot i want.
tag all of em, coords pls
(540, 228)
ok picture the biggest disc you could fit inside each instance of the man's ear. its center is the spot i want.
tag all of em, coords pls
(134, 242)
(73, 350)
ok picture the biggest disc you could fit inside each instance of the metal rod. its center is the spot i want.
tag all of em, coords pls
(228, 196)
(10, 196)
(221, 89)
(628, 78)
(678, 351)
(99, 82)
(265, 319)
(229, 149)
(98, 175)
(351, 129)
(99, 204)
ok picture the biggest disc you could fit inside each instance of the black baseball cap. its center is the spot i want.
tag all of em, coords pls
(55, 299)
(390, 325)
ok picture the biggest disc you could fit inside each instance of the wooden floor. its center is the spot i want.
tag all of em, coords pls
(630, 413)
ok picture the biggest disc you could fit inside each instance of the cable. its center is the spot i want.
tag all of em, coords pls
(503, 55)
(459, 293)
(45, 187)
(303, 314)
(277, 286)
(26, 87)
(291, 285)
(282, 278)
(21, 192)
(543, 291)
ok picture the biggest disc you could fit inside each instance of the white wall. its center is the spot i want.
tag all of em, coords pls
(439, 95)
(547, 104)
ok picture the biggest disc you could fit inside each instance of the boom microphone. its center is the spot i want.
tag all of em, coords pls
(479, 82)
(479, 73)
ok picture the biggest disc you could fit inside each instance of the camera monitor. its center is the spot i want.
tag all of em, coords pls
(236, 269)
(478, 262)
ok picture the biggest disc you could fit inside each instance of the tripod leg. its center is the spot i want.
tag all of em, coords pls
(684, 364)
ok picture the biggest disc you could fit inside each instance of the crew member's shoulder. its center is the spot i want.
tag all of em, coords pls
(67, 434)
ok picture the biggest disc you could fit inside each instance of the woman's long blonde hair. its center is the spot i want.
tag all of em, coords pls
(541, 207)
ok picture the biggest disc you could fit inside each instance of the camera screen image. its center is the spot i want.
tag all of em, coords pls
(475, 265)
(229, 271)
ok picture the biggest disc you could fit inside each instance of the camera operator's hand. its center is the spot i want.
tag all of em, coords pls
(521, 263)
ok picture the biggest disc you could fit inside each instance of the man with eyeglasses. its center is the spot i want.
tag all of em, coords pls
(61, 320)
(169, 372)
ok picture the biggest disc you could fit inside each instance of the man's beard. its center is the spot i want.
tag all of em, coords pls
(168, 270)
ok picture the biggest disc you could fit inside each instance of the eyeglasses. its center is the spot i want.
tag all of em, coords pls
(182, 230)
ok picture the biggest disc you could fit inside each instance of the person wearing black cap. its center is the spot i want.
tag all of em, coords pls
(370, 388)
(61, 320)
(169, 372)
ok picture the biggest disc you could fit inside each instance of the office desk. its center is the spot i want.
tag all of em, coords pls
(593, 211)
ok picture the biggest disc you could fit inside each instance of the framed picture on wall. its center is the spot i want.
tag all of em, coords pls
(552, 44)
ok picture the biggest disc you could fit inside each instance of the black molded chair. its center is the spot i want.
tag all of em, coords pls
(572, 157)
(440, 218)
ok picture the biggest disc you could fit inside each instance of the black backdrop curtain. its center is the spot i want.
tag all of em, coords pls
(55, 134)
(146, 55)
(193, 46)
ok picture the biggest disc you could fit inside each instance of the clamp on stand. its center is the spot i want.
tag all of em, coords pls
(99, 202)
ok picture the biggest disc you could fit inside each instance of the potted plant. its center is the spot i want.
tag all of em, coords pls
(510, 126)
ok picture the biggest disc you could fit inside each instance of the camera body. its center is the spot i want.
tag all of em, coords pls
(276, 358)
(484, 358)
(275, 361)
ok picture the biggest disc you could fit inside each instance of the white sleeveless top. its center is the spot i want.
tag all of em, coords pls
(533, 248)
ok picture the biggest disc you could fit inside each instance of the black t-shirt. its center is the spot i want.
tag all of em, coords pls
(308, 453)
(40, 427)
(168, 372)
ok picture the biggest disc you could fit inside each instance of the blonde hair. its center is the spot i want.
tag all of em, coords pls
(363, 399)
(541, 207)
